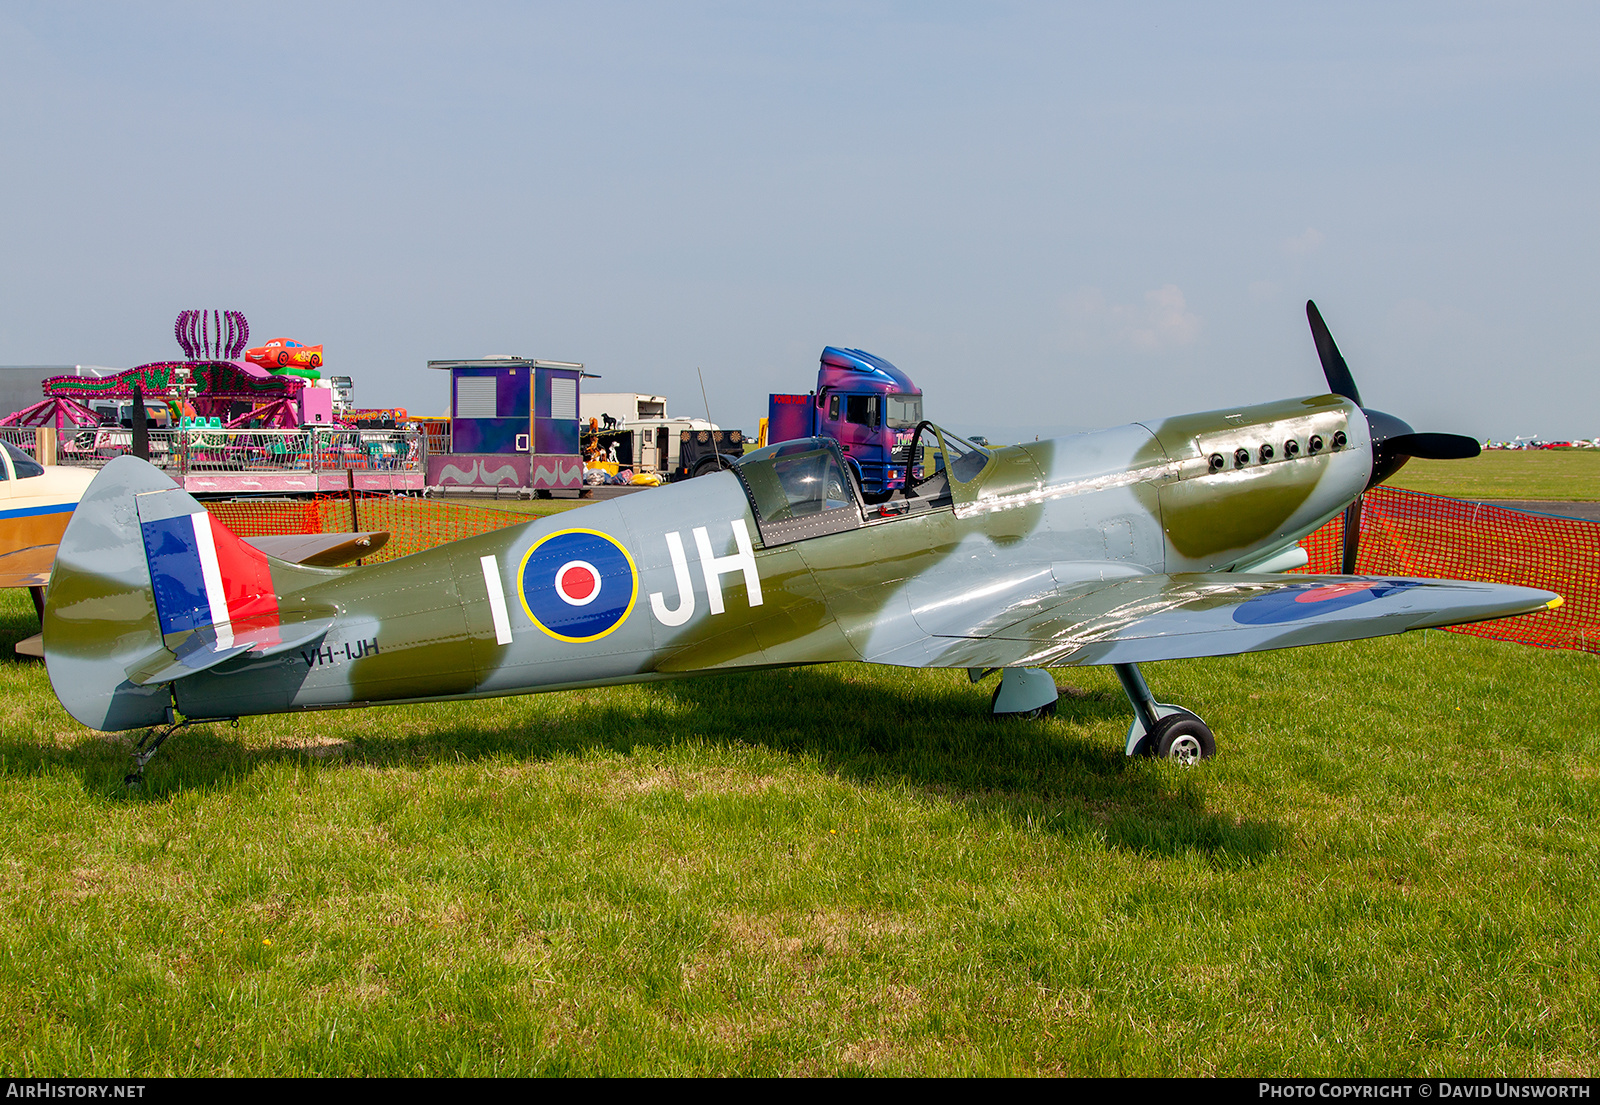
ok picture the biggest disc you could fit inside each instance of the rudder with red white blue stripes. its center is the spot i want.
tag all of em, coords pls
(203, 577)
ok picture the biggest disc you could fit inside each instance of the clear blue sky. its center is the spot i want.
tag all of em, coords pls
(1051, 216)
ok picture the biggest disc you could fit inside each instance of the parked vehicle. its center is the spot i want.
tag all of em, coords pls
(708, 450)
(863, 402)
(634, 430)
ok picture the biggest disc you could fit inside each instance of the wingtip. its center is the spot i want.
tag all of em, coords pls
(1553, 603)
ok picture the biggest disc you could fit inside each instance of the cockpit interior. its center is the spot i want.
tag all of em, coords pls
(807, 488)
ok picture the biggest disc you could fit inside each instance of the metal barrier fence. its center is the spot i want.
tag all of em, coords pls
(438, 431)
(214, 450)
(23, 437)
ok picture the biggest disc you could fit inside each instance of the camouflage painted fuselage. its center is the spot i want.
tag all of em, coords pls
(541, 606)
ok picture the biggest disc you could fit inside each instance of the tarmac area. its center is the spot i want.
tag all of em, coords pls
(1589, 512)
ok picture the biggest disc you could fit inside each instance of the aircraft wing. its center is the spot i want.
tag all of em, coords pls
(28, 567)
(320, 550)
(1144, 618)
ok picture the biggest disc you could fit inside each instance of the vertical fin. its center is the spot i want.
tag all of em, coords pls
(100, 615)
(148, 588)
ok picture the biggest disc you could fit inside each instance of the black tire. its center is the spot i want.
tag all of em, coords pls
(709, 464)
(1047, 710)
(1182, 738)
(1147, 743)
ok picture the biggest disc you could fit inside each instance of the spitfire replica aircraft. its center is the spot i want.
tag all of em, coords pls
(1153, 541)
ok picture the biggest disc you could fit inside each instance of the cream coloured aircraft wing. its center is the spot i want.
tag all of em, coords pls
(28, 567)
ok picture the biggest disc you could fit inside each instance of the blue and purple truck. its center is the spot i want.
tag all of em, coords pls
(865, 403)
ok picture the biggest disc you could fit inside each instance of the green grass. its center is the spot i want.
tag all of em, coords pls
(1557, 474)
(1389, 869)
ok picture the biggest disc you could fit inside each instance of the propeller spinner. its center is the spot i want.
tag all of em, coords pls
(1393, 440)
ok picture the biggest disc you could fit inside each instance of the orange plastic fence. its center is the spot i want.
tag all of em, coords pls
(1403, 533)
(1407, 533)
(413, 524)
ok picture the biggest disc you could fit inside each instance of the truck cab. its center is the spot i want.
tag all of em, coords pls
(865, 404)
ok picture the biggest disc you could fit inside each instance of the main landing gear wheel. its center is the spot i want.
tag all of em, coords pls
(1182, 738)
(1161, 730)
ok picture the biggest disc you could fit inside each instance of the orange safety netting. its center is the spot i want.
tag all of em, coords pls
(1403, 533)
(1407, 533)
(413, 524)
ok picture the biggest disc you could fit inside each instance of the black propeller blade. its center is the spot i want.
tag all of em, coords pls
(1435, 446)
(141, 426)
(1340, 382)
(1393, 440)
(1352, 537)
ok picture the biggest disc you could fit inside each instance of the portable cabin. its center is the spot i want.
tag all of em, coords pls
(511, 419)
(513, 405)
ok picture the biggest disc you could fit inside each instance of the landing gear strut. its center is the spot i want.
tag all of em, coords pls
(155, 738)
(1160, 729)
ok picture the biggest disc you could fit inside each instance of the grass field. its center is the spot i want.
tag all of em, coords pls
(1389, 869)
(1557, 474)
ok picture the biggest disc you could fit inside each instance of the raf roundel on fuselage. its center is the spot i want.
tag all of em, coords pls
(578, 585)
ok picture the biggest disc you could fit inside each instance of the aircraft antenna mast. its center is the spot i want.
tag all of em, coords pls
(714, 450)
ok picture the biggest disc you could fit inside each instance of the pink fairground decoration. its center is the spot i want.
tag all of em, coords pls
(281, 414)
(59, 411)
